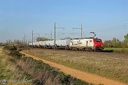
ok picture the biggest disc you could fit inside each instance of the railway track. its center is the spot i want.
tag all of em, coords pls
(74, 50)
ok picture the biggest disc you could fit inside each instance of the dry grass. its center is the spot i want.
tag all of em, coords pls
(111, 65)
(9, 71)
(19, 70)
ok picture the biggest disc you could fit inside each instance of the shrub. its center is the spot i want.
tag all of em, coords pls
(12, 51)
(10, 48)
(15, 54)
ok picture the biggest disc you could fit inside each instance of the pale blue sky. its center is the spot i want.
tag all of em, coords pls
(107, 18)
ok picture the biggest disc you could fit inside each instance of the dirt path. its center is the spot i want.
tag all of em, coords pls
(91, 78)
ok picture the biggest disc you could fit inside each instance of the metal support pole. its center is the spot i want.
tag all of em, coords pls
(24, 40)
(54, 35)
(51, 35)
(81, 30)
(32, 37)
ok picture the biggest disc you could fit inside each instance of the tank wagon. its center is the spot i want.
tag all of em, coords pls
(93, 44)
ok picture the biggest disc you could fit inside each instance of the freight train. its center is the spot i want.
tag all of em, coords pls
(93, 44)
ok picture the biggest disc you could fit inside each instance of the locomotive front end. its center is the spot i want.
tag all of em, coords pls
(98, 45)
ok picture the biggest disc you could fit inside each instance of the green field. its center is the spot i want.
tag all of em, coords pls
(121, 50)
(110, 65)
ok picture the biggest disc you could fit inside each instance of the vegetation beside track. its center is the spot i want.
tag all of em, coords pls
(110, 65)
(21, 70)
(118, 50)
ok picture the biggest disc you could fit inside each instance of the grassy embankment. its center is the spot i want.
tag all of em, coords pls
(21, 70)
(9, 70)
(111, 65)
(118, 50)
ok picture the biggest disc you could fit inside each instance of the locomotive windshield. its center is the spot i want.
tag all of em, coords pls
(98, 40)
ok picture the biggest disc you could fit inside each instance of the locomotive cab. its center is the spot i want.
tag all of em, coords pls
(98, 45)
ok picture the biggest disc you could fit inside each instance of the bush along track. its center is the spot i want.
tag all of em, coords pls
(38, 72)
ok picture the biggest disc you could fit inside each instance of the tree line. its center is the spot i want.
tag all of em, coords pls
(116, 43)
